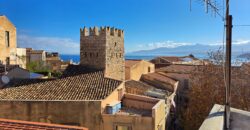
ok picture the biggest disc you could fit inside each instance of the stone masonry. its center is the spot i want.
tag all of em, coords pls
(103, 49)
(7, 51)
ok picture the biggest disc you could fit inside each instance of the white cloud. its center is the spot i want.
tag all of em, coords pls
(167, 44)
(173, 44)
(236, 42)
(52, 44)
(240, 42)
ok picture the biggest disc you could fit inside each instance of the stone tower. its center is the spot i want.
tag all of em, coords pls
(103, 49)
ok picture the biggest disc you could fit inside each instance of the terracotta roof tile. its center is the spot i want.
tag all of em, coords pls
(6, 124)
(72, 70)
(185, 69)
(160, 77)
(87, 86)
(130, 63)
(138, 85)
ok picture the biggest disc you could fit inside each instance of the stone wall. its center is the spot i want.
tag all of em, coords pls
(103, 49)
(83, 113)
(133, 122)
(6, 25)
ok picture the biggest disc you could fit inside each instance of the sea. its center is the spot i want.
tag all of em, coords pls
(76, 58)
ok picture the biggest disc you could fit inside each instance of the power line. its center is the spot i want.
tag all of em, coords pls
(242, 25)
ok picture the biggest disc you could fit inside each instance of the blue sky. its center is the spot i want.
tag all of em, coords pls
(54, 25)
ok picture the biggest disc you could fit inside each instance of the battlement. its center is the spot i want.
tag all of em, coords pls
(95, 31)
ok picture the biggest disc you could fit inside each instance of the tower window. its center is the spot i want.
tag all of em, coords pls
(97, 54)
(7, 38)
(90, 54)
(115, 43)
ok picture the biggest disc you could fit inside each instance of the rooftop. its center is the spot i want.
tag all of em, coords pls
(146, 88)
(19, 125)
(161, 78)
(138, 85)
(8, 68)
(130, 63)
(178, 68)
(136, 105)
(86, 86)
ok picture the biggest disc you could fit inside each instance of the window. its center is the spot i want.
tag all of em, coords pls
(123, 127)
(115, 44)
(97, 54)
(85, 54)
(149, 69)
(7, 38)
(7, 60)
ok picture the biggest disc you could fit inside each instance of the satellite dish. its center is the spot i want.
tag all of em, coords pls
(5, 79)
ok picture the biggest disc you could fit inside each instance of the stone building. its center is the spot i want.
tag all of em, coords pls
(134, 69)
(78, 99)
(103, 49)
(7, 41)
(90, 94)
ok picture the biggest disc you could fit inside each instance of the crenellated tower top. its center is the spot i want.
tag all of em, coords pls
(95, 31)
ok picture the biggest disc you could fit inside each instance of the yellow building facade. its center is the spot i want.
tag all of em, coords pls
(7, 41)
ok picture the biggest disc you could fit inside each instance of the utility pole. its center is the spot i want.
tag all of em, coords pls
(228, 67)
(228, 25)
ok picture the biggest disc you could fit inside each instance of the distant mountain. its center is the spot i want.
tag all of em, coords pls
(244, 56)
(196, 49)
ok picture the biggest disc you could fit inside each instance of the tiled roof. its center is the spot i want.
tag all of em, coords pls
(88, 86)
(143, 87)
(130, 63)
(138, 85)
(72, 70)
(160, 77)
(8, 68)
(22, 82)
(177, 69)
(6, 124)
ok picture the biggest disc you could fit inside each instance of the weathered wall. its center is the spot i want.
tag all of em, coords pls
(103, 49)
(83, 113)
(6, 25)
(116, 95)
(135, 122)
(139, 102)
(21, 57)
(136, 71)
(115, 63)
(159, 115)
(37, 57)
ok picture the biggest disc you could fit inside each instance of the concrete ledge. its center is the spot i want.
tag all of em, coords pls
(215, 120)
